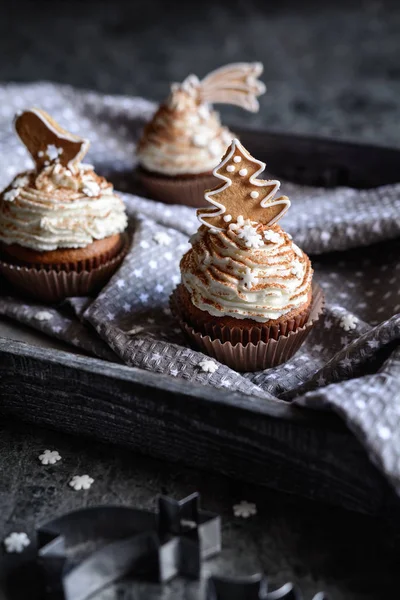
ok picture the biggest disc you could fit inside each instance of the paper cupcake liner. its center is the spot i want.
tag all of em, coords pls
(174, 190)
(53, 285)
(259, 356)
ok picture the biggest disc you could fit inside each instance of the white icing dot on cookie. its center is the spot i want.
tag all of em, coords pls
(243, 172)
(227, 218)
(230, 168)
(254, 194)
(237, 159)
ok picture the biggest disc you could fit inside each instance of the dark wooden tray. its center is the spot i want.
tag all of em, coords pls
(266, 442)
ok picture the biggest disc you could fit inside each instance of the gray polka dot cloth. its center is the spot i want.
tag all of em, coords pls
(350, 362)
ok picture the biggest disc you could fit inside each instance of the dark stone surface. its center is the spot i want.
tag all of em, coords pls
(331, 69)
(348, 555)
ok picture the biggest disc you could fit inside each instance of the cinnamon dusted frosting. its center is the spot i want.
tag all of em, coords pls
(185, 136)
(56, 207)
(246, 271)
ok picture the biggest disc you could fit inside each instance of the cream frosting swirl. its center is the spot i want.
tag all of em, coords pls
(259, 274)
(184, 138)
(58, 208)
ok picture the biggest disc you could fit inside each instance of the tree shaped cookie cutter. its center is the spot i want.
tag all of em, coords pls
(242, 193)
(47, 142)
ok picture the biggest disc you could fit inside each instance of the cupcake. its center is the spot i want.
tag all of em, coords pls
(61, 225)
(185, 140)
(246, 297)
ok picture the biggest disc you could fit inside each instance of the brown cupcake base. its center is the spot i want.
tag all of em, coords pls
(95, 254)
(188, 190)
(251, 356)
(53, 284)
(245, 331)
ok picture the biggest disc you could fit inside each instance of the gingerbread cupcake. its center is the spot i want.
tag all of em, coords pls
(185, 140)
(246, 296)
(61, 225)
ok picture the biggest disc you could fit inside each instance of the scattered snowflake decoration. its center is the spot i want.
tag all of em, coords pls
(11, 195)
(244, 509)
(81, 482)
(297, 270)
(208, 366)
(91, 189)
(162, 238)
(49, 457)
(248, 233)
(20, 181)
(348, 322)
(52, 152)
(43, 315)
(144, 244)
(249, 279)
(120, 283)
(16, 542)
(328, 323)
(272, 236)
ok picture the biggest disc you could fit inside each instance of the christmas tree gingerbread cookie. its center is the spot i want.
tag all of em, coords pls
(246, 295)
(185, 140)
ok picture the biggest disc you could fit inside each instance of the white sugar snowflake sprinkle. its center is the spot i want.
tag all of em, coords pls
(16, 542)
(250, 236)
(52, 152)
(208, 366)
(297, 270)
(245, 509)
(348, 322)
(81, 482)
(162, 238)
(143, 297)
(11, 195)
(91, 189)
(249, 279)
(49, 457)
(43, 315)
(272, 236)
(120, 283)
(20, 181)
(144, 244)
